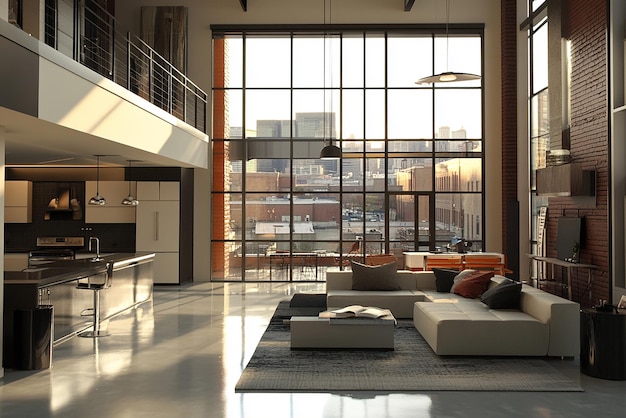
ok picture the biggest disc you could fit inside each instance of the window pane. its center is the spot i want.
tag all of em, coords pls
(270, 106)
(308, 62)
(234, 48)
(458, 174)
(410, 146)
(410, 113)
(540, 59)
(411, 174)
(268, 62)
(408, 59)
(268, 175)
(352, 112)
(352, 174)
(353, 61)
(375, 174)
(375, 61)
(458, 54)
(375, 114)
(458, 113)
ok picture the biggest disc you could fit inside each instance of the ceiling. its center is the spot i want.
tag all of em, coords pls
(35, 142)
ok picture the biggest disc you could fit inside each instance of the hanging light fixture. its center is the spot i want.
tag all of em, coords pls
(330, 151)
(130, 200)
(97, 199)
(447, 76)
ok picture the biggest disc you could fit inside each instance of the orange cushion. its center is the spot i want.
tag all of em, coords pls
(474, 284)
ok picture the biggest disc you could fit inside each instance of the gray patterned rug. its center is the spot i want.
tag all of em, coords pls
(411, 367)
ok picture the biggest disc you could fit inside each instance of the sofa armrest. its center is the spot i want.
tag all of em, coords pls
(338, 280)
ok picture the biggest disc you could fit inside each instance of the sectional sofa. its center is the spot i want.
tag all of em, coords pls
(543, 325)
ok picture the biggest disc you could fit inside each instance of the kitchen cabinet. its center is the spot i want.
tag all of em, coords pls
(18, 196)
(113, 212)
(158, 227)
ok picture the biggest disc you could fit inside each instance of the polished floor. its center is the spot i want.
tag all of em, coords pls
(182, 355)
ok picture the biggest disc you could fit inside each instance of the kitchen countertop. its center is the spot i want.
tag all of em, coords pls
(62, 271)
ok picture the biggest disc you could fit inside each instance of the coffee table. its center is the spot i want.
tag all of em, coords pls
(355, 333)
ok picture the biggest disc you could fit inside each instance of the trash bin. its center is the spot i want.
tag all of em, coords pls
(32, 331)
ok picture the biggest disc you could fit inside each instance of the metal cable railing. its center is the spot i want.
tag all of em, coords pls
(91, 36)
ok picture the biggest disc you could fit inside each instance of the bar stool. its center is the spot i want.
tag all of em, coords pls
(96, 287)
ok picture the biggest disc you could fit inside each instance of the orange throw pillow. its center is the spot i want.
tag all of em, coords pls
(474, 285)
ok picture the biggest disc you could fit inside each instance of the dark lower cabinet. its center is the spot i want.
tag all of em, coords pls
(603, 344)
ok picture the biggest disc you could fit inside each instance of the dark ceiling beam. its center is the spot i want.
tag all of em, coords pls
(244, 4)
(408, 5)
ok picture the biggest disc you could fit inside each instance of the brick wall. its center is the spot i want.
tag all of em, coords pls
(509, 31)
(587, 22)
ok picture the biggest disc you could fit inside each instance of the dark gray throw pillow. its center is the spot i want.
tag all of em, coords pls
(381, 277)
(444, 279)
(505, 295)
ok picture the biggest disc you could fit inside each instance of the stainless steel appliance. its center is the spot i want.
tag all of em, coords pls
(51, 249)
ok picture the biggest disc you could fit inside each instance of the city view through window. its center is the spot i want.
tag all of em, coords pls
(410, 176)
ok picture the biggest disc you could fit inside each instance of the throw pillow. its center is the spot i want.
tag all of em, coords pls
(381, 277)
(474, 284)
(506, 295)
(459, 278)
(444, 278)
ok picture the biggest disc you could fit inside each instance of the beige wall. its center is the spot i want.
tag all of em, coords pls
(204, 13)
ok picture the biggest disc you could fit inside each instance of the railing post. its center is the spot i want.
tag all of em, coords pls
(128, 74)
(170, 89)
(151, 77)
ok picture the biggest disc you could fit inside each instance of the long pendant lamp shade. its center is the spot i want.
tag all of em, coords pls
(330, 151)
(447, 76)
(97, 199)
(130, 200)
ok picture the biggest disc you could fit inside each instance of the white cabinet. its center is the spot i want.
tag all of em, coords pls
(18, 201)
(158, 190)
(113, 212)
(158, 227)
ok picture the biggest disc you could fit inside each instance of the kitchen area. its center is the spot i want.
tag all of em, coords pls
(75, 264)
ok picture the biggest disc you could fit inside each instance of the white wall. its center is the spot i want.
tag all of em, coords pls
(203, 13)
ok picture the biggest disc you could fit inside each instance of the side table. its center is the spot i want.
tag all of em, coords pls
(603, 344)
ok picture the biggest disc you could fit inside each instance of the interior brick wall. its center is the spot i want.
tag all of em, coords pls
(509, 31)
(589, 129)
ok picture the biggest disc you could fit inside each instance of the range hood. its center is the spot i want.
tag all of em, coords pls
(566, 180)
(63, 207)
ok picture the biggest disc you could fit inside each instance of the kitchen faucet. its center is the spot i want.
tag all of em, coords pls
(97, 257)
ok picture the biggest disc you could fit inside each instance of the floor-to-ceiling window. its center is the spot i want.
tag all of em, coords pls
(539, 116)
(411, 173)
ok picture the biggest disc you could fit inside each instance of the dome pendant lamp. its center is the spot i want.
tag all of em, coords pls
(330, 151)
(447, 76)
(97, 199)
(130, 200)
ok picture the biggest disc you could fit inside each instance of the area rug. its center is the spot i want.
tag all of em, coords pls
(411, 367)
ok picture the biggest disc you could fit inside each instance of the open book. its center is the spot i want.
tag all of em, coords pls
(356, 311)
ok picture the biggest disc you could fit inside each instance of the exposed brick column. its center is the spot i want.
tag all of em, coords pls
(508, 64)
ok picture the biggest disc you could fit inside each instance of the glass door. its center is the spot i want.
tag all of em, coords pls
(411, 226)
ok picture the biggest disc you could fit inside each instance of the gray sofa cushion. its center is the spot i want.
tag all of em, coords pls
(382, 277)
(506, 295)
(444, 278)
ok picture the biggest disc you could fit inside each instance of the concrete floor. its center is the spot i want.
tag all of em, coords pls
(182, 355)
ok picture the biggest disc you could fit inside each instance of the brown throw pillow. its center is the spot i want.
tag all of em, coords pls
(474, 285)
(382, 277)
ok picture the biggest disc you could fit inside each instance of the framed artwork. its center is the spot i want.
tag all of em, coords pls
(622, 302)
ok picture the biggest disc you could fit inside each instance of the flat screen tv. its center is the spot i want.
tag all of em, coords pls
(569, 233)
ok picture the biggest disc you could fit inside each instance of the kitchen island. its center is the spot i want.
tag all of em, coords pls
(56, 284)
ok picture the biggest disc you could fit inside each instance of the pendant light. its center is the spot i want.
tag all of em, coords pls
(130, 200)
(97, 199)
(447, 76)
(330, 151)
